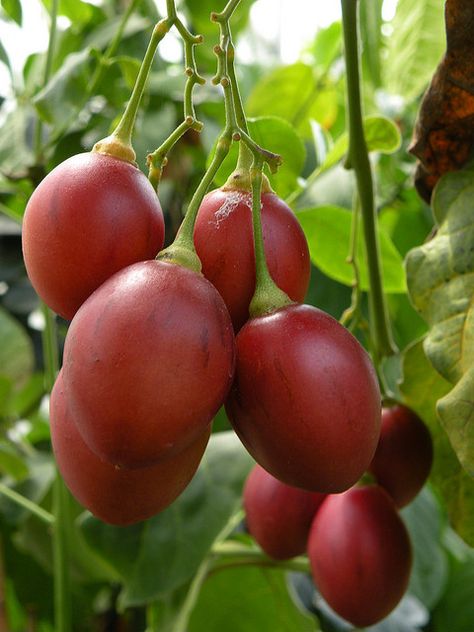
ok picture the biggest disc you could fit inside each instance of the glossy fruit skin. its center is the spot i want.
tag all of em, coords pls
(404, 454)
(278, 516)
(117, 496)
(305, 400)
(148, 361)
(224, 242)
(90, 217)
(360, 554)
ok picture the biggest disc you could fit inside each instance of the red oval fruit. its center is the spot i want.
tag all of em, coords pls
(148, 361)
(278, 516)
(224, 242)
(403, 458)
(119, 497)
(305, 400)
(360, 554)
(90, 217)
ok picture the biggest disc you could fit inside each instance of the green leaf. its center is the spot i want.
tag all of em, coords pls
(163, 553)
(278, 136)
(129, 67)
(381, 135)
(15, 153)
(246, 600)
(421, 388)
(430, 567)
(11, 463)
(327, 46)
(328, 230)
(455, 611)
(440, 277)
(13, 9)
(292, 93)
(59, 98)
(414, 47)
(16, 350)
(78, 12)
(4, 58)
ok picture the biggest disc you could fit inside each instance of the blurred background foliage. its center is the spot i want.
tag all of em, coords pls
(126, 579)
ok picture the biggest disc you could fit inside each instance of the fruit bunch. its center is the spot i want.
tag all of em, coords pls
(358, 547)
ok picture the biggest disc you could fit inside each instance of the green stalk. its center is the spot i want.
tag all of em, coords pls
(98, 73)
(26, 503)
(61, 555)
(47, 73)
(267, 297)
(359, 160)
(119, 143)
(157, 159)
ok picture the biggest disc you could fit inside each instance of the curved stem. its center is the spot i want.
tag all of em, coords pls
(26, 503)
(232, 554)
(47, 74)
(267, 297)
(158, 159)
(119, 143)
(359, 160)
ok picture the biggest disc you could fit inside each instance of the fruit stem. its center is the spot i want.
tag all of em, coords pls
(158, 159)
(119, 143)
(181, 623)
(97, 77)
(231, 554)
(26, 503)
(267, 296)
(62, 593)
(182, 250)
(47, 74)
(359, 160)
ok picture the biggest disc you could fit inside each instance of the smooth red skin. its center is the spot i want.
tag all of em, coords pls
(360, 554)
(119, 497)
(224, 242)
(278, 516)
(148, 361)
(305, 400)
(90, 217)
(404, 455)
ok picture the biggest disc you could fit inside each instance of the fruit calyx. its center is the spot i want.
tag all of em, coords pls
(182, 255)
(239, 180)
(114, 146)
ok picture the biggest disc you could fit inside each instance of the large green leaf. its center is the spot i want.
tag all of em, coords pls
(58, 100)
(16, 350)
(278, 136)
(328, 231)
(161, 554)
(13, 9)
(327, 46)
(381, 134)
(414, 47)
(247, 600)
(292, 92)
(421, 388)
(15, 152)
(455, 611)
(430, 567)
(440, 277)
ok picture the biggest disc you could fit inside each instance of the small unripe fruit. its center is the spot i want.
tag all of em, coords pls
(117, 496)
(91, 216)
(360, 554)
(404, 454)
(278, 516)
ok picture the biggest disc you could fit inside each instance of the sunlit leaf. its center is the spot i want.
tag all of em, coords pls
(328, 231)
(440, 276)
